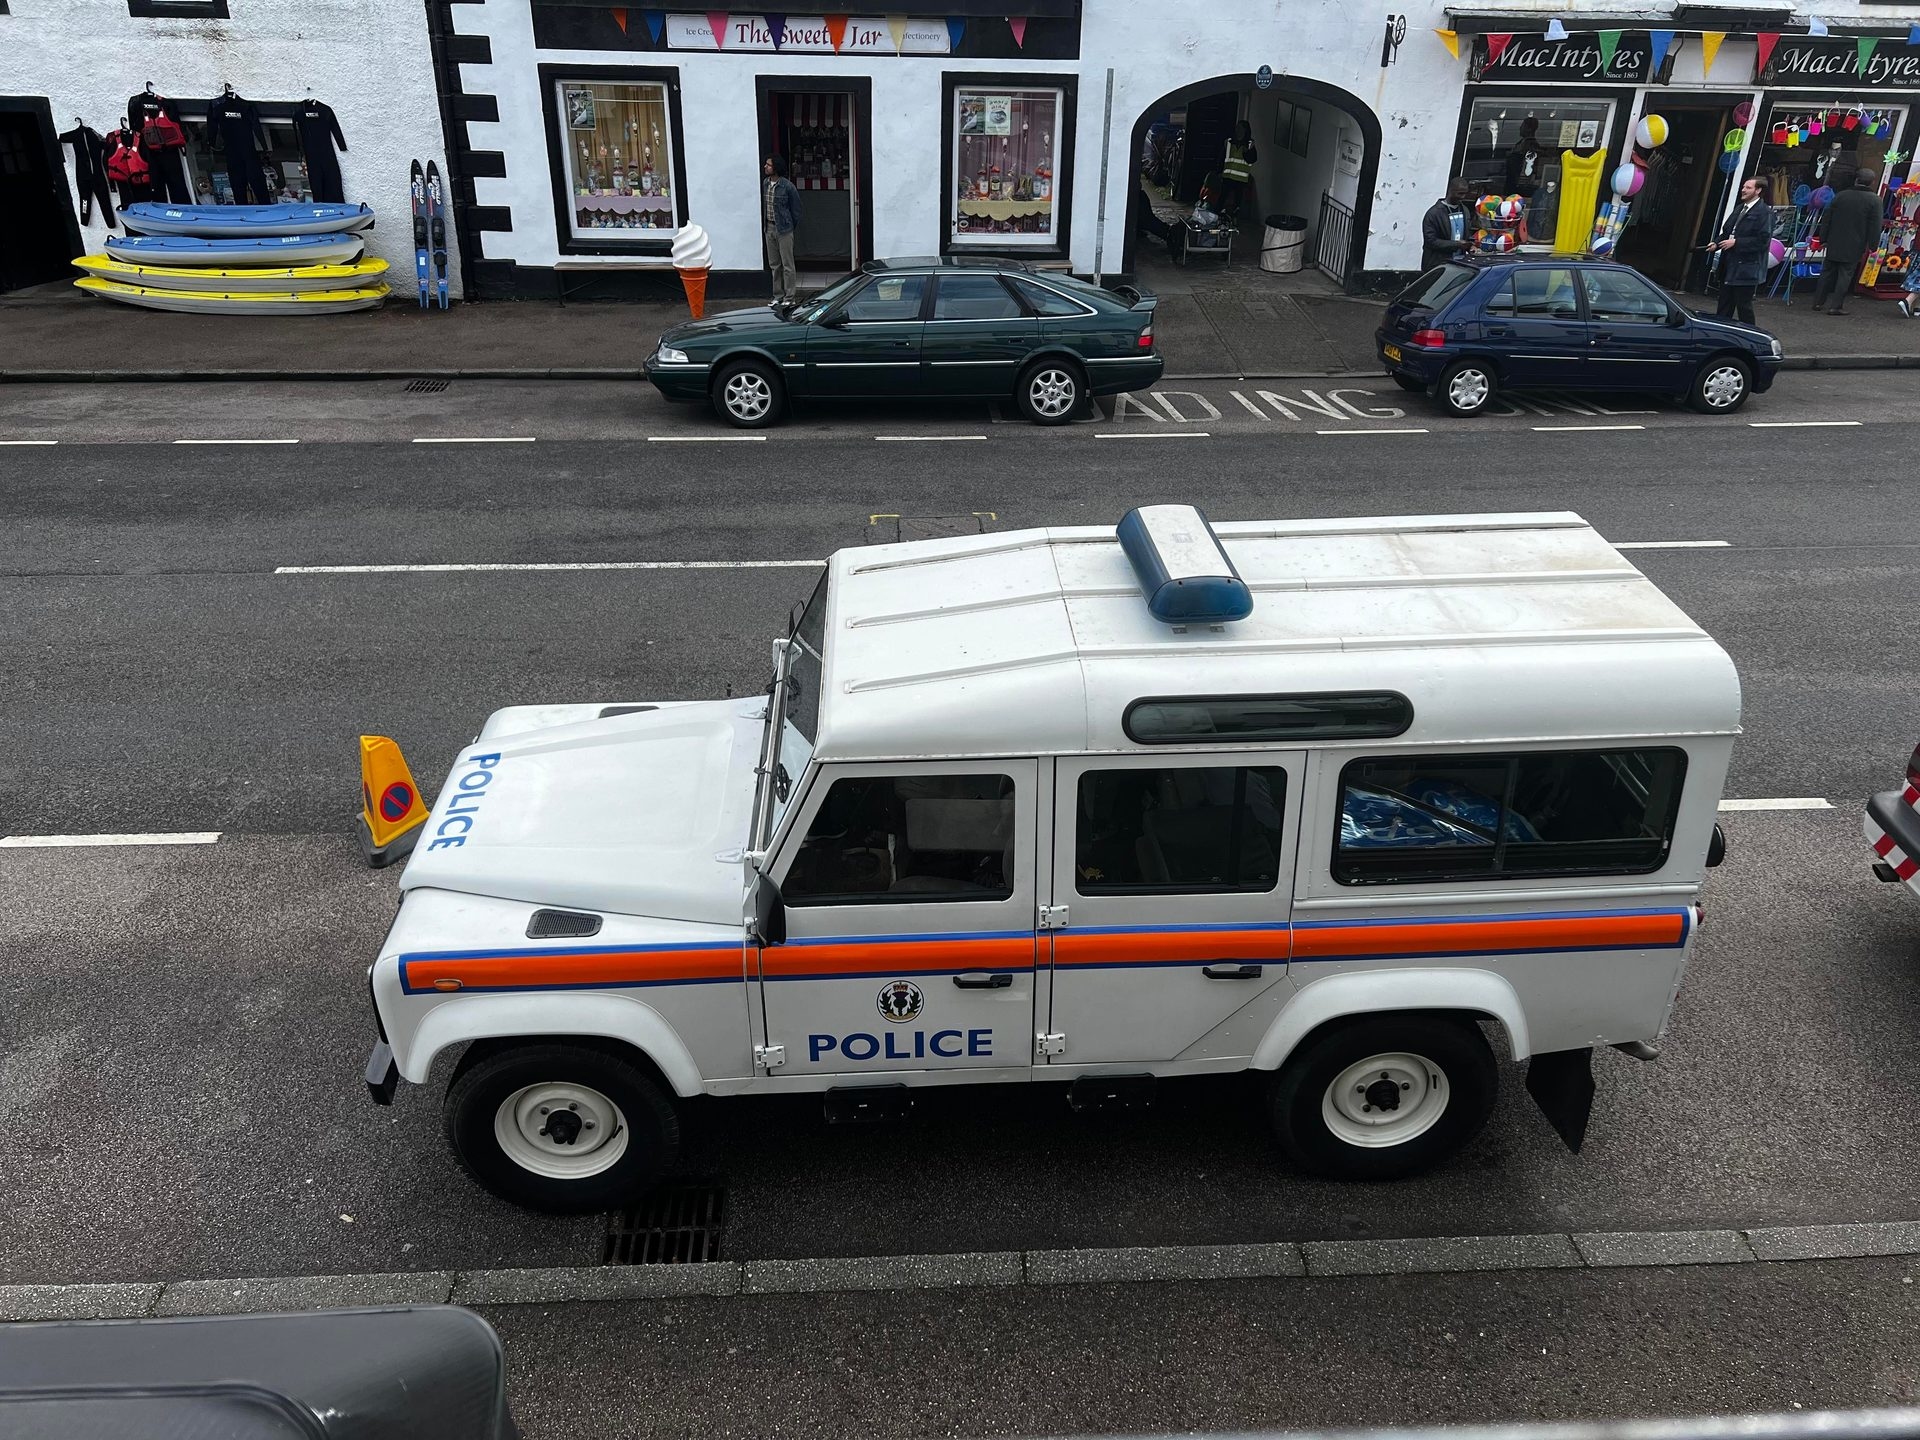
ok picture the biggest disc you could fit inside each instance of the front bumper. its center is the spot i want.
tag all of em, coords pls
(678, 382)
(1892, 828)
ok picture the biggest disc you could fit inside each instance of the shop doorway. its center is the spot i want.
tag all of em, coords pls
(822, 128)
(1676, 206)
(39, 238)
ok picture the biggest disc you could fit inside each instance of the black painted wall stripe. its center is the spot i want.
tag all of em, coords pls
(469, 50)
(475, 107)
(490, 163)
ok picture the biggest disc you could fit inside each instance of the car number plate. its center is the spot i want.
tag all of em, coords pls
(1392, 352)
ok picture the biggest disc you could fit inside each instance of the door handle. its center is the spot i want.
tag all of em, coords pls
(980, 980)
(1231, 970)
(1500, 332)
(1602, 338)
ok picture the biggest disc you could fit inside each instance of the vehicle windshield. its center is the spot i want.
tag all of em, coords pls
(828, 297)
(800, 724)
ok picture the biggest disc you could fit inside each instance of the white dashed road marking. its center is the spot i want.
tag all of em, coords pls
(1382, 431)
(236, 442)
(29, 442)
(1589, 427)
(48, 842)
(473, 439)
(1798, 424)
(1151, 435)
(691, 439)
(929, 437)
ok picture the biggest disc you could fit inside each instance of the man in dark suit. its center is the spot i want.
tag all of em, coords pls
(1743, 245)
(1851, 227)
(1443, 229)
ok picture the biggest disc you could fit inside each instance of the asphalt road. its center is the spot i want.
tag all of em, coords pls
(184, 1027)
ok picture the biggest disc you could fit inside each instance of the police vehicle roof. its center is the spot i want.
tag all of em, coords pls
(1034, 642)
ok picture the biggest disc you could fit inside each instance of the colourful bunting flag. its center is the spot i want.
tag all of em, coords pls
(1662, 42)
(717, 22)
(1865, 45)
(1018, 24)
(956, 27)
(1710, 47)
(777, 28)
(1496, 47)
(897, 25)
(837, 31)
(1817, 26)
(1451, 39)
(1763, 44)
(656, 25)
(1556, 30)
(620, 18)
(1609, 42)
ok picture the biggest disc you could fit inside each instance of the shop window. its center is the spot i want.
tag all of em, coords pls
(617, 156)
(1478, 817)
(907, 839)
(1006, 166)
(1616, 296)
(1191, 830)
(1514, 144)
(1810, 143)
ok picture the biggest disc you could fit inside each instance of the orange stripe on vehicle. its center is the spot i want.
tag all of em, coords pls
(1163, 947)
(856, 957)
(535, 969)
(1467, 937)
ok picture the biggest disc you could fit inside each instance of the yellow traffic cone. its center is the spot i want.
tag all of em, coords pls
(391, 810)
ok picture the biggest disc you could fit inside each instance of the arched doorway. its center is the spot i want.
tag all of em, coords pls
(1305, 131)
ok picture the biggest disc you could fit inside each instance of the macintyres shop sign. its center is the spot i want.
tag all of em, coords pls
(1579, 57)
(1893, 65)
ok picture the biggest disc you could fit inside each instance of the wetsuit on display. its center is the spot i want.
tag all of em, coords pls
(237, 123)
(90, 172)
(319, 130)
(167, 168)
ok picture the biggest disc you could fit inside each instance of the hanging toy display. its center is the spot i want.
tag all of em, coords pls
(1498, 219)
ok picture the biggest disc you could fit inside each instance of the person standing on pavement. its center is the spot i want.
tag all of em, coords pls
(1743, 246)
(1443, 229)
(779, 215)
(1851, 227)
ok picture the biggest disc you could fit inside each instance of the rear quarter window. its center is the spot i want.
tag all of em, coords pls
(1435, 288)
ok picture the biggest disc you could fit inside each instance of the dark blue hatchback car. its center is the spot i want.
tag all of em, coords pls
(1466, 330)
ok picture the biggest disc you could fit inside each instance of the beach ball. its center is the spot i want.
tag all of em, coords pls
(1602, 245)
(1776, 252)
(1499, 242)
(1651, 132)
(1509, 209)
(1628, 179)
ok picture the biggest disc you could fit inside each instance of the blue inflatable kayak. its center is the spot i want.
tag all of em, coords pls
(214, 221)
(271, 251)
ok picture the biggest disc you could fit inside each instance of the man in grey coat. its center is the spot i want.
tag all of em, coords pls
(1851, 227)
(779, 215)
(1743, 244)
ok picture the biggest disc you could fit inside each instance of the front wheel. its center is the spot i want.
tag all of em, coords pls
(748, 394)
(1467, 387)
(1721, 387)
(1049, 392)
(560, 1127)
(1380, 1097)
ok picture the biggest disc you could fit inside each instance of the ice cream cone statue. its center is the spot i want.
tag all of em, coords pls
(692, 256)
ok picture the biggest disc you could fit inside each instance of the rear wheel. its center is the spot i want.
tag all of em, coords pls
(749, 394)
(1050, 391)
(1407, 382)
(1467, 387)
(560, 1127)
(1722, 386)
(1379, 1097)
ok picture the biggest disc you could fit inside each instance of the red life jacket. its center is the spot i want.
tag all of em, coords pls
(126, 164)
(161, 133)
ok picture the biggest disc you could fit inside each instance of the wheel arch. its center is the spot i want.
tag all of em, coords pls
(744, 352)
(1052, 350)
(1478, 994)
(499, 1021)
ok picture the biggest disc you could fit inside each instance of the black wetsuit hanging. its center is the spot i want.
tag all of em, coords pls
(237, 123)
(319, 129)
(167, 169)
(90, 172)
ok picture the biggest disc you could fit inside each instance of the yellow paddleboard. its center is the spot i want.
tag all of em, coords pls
(260, 302)
(360, 276)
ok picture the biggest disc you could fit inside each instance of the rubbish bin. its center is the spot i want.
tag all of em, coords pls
(1285, 243)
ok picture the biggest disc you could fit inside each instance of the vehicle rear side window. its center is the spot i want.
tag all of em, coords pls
(1501, 301)
(906, 839)
(974, 297)
(1544, 294)
(1370, 715)
(1436, 287)
(1045, 301)
(890, 297)
(1189, 830)
(1485, 817)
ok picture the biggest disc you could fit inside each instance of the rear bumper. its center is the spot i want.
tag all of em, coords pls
(1110, 376)
(1417, 364)
(1892, 828)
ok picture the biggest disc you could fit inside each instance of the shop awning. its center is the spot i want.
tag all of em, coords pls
(918, 9)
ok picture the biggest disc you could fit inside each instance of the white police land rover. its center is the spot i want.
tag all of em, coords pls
(1331, 800)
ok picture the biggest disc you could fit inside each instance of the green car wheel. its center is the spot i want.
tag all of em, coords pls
(1050, 391)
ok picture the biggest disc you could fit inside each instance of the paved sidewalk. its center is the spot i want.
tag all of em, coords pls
(1235, 322)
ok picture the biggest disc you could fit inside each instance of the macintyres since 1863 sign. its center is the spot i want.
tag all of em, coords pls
(1891, 65)
(1578, 57)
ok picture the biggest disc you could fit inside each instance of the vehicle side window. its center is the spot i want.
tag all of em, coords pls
(1616, 296)
(1436, 287)
(1188, 830)
(974, 297)
(1501, 301)
(1486, 817)
(907, 839)
(1543, 294)
(1043, 300)
(891, 297)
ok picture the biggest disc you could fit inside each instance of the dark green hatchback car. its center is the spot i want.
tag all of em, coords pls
(943, 328)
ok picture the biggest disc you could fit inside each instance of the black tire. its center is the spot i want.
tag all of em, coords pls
(749, 394)
(477, 1103)
(1722, 386)
(1462, 382)
(1407, 382)
(1051, 391)
(1459, 1066)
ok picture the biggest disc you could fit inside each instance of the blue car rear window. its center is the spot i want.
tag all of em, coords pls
(1436, 287)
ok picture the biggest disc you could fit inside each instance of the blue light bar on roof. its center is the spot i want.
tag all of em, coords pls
(1183, 568)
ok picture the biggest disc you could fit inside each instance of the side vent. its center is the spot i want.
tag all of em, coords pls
(561, 925)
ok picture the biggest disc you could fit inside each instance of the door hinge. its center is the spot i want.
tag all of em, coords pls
(769, 1057)
(1049, 1044)
(1053, 917)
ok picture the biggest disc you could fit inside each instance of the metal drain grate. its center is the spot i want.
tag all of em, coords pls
(681, 1224)
(426, 387)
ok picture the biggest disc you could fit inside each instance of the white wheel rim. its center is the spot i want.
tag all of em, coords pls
(1468, 389)
(749, 396)
(533, 1130)
(1723, 386)
(1052, 393)
(1385, 1100)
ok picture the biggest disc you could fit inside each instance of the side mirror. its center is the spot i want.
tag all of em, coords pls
(769, 912)
(1716, 847)
(835, 321)
(1676, 317)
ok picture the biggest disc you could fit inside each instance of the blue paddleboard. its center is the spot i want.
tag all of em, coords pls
(151, 218)
(278, 251)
